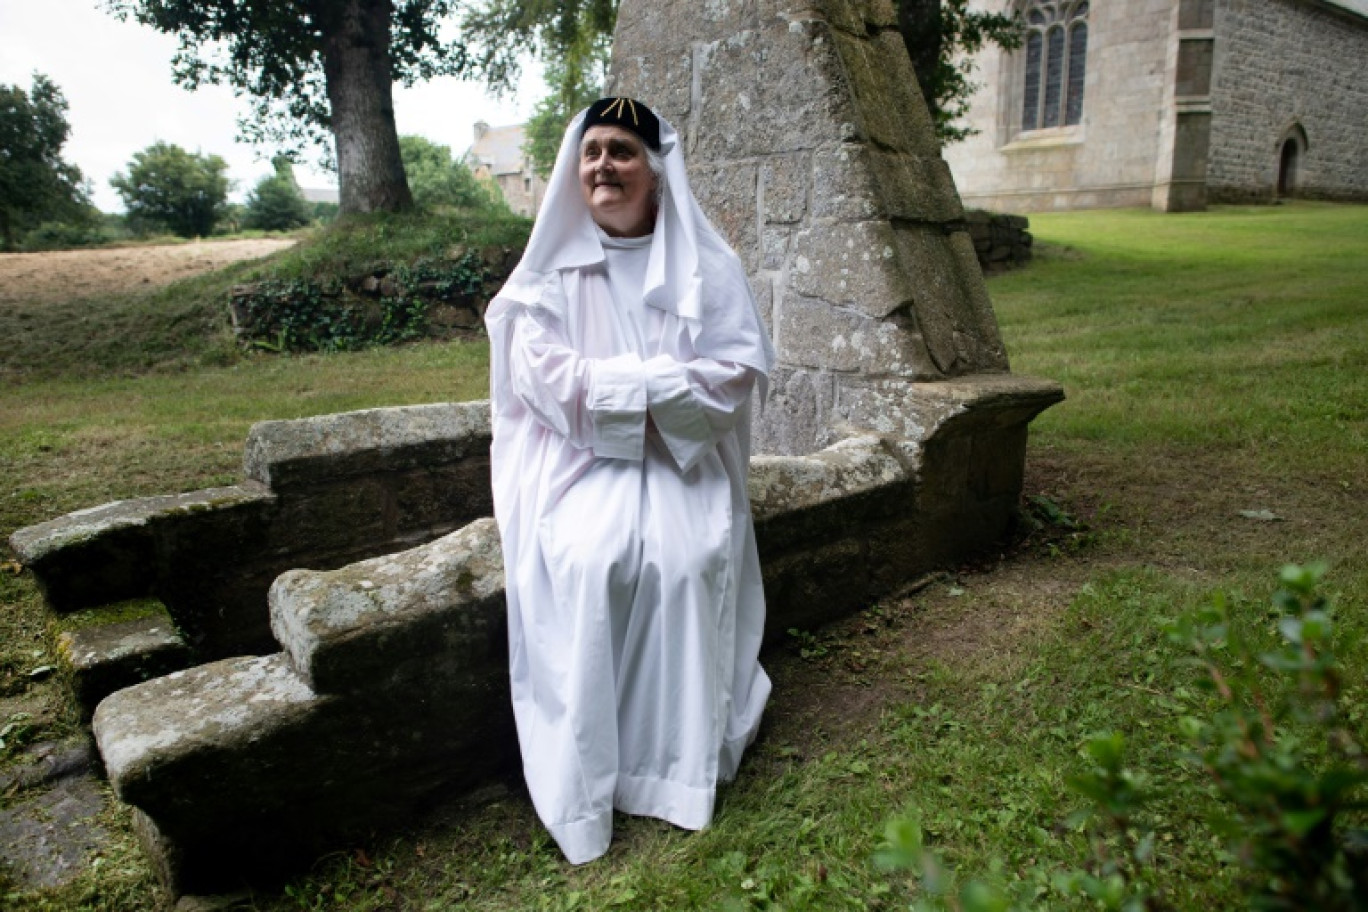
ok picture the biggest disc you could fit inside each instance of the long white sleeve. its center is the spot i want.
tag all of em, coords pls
(694, 403)
(595, 403)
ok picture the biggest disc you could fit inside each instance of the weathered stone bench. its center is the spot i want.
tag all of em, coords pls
(319, 493)
(391, 682)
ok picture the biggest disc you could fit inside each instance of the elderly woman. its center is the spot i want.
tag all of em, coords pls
(625, 348)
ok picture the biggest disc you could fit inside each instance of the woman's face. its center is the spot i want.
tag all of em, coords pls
(616, 181)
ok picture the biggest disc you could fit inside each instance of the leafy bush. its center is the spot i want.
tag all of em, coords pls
(36, 184)
(1284, 755)
(323, 213)
(1287, 760)
(169, 188)
(385, 306)
(439, 181)
(64, 235)
(275, 203)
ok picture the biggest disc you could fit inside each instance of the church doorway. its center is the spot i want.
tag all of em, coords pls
(1287, 167)
(1291, 161)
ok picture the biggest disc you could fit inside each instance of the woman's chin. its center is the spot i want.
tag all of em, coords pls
(607, 199)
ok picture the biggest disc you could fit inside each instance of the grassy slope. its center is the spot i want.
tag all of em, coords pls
(1214, 363)
(186, 326)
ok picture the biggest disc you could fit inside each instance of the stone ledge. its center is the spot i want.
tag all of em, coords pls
(393, 682)
(35, 543)
(284, 454)
(999, 399)
(230, 702)
(353, 629)
(346, 487)
(786, 484)
(109, 553)
(912, 411)
(110, 657)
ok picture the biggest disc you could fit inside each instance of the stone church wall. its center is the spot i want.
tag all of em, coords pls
(1186, 101)
(1280, 63)
(1107, 160)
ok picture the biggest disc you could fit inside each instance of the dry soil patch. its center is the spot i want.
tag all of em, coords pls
(65, 274)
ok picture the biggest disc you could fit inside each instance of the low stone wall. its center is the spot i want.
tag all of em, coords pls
(384, 674)
(1001, 242)
(319, 493)
(391, 682)
(431, 297)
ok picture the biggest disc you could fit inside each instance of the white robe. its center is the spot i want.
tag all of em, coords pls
(635, 605)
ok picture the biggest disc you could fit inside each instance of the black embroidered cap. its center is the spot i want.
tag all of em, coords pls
(628, 114)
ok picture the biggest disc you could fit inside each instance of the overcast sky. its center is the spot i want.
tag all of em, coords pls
(116, 77)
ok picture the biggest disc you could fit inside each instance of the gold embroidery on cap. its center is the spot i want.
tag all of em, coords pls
(622, 105)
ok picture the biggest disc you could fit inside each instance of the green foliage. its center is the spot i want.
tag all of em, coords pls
(232, 220)
(570, 93)
(275, 203)
(297, 315)
(312, 315)
(36, 185)
(439, 181)
(1286, 758)
(169, 188)
(64, 235)
(92, 228)
(573, 34)
(261, 50)
(572, 38)
(323, 213)
(1283, 755)
(806, 643)
(941, 36)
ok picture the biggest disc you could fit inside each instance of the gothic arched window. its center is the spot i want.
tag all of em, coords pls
(1056, 63)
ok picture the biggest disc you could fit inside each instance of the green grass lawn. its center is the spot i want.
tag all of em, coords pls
(1215, 365)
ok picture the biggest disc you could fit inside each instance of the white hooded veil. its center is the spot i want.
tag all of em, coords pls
(692, 273)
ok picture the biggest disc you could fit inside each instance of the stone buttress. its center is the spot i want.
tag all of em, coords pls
(811, 149)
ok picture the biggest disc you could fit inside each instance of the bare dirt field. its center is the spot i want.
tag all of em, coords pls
(65, 274)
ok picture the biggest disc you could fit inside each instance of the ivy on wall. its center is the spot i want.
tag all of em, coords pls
(386, 304)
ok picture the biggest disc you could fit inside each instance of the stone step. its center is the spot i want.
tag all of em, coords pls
(107, 657)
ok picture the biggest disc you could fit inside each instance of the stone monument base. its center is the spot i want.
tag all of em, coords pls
(390, 683)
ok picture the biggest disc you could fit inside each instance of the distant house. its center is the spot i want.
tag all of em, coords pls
(1169, 103)
(497, 154)
(319, 194)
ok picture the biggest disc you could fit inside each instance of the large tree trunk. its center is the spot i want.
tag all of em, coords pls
(919, 23)
(356, 65)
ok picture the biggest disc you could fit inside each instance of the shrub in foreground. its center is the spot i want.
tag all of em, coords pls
(1283, 755)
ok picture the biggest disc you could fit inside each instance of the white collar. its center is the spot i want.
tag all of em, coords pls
(607, 240)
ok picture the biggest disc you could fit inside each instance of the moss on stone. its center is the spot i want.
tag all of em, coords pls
(114, 613)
